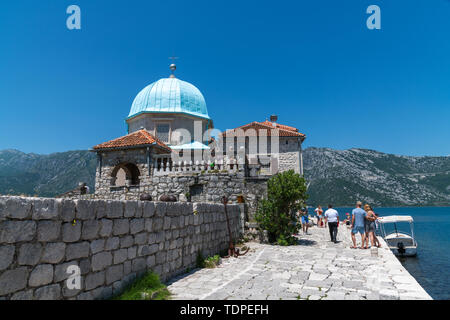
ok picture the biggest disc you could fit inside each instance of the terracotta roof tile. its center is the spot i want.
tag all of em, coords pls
(138, 138)
(281, 126)
(265, 128)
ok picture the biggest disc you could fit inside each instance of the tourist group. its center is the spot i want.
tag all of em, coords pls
(362, 221)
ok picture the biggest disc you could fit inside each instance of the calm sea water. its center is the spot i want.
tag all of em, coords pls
(431, 266)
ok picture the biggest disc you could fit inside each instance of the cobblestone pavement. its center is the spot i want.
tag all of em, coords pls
(316, 269)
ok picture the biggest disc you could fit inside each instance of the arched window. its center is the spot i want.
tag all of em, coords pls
(125, 174)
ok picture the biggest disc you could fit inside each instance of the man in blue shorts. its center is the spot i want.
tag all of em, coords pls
(305, 220)
(358, 219)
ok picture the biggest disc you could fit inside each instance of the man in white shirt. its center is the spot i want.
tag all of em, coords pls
(332, 218)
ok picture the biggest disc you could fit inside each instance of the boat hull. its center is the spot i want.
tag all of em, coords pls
(409, 251)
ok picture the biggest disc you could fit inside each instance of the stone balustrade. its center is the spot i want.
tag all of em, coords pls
(165, 166)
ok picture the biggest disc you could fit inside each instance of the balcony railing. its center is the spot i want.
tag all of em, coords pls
(164, 166)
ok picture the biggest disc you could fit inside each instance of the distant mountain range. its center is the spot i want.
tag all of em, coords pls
(45, 175)
(340, 177)
(343, 177)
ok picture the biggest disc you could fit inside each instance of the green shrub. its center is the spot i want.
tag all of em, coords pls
(212, 262)
(148, 287)
(286, 194)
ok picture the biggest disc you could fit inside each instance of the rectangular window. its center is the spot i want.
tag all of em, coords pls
(162, 132)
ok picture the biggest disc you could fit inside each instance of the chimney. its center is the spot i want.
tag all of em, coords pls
(273, 118)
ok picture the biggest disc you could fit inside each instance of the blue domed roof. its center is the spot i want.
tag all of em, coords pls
(170, 95)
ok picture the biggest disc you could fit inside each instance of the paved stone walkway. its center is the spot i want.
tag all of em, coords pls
(315, 269)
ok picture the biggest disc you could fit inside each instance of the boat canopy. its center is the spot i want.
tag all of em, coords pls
(394, 219)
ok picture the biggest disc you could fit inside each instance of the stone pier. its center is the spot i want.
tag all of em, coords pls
(316, 269)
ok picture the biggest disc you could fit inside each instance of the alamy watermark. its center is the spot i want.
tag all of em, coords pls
(234, 143)
(73, 22)
(374, 20)
(74, 280)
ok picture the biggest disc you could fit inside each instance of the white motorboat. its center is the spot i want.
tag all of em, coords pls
(401, 243)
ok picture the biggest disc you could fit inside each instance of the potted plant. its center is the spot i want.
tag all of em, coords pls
(188, 197)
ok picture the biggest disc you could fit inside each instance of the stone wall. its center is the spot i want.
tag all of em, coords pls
(255, 189)
(208, 187)
(212, 186)
(112, 242)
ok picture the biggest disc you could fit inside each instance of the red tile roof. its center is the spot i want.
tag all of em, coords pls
(138, 138)
(265, 128)
(280, 126)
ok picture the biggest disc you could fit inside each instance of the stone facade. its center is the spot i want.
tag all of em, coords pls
(209, 187)
(181, 127)
(105, 177)
(196, 183)
(289, 156)
(269, 155)
(112, 242)
(126, 171)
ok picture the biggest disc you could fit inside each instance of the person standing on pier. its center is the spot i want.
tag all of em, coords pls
(305, 220)
(332, 218)
(358, 223)
(371, 218)
(319, 213)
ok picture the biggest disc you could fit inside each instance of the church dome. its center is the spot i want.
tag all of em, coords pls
(170, 95)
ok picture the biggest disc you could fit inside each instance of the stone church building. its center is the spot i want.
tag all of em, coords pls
(173, 148)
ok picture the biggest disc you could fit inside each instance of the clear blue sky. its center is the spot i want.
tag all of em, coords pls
(314, 63)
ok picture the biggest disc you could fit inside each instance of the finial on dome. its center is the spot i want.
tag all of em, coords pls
(173, 66)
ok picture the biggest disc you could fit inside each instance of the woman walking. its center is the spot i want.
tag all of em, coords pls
(319, 213)
(370, 227)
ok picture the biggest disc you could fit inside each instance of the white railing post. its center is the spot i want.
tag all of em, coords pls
(197, 165)
(155, 166)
